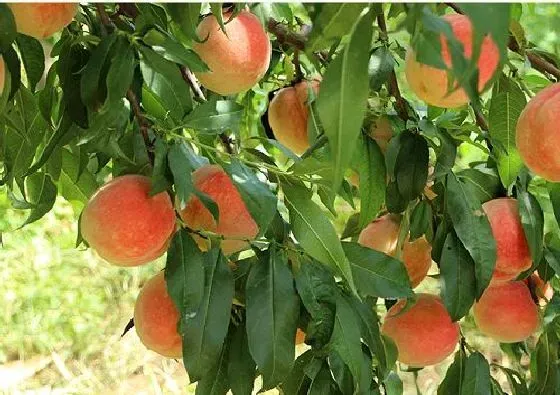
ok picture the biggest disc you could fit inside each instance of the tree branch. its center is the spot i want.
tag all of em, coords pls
(393, 85)
(189, 77)
(285, 35)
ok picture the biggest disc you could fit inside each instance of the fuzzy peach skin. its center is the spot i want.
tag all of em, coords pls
(42, 20)
(288, 114)
(125, 225)
(424, 334)
(382, 235)
(156, 319)
(506, 312)
(234, 220)
(430, 83)
(381, 132)
(537, 135)
(300, 336)
(238, 60)
(512, 251)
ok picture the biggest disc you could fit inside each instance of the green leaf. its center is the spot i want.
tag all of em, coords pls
(41, 194)
(205, 330)
(91, 86)
(477, 376)
(458, 283)
(411, 166)
(346, 338)
(323, 382)
(75, 184)
(554, 194)
(343, 98)
(332, 23)
(272, 314)
(168, 89)
(33, 58)
(453, 381)
(185, 16)
(370, 164)
(315, 232)
(544, 369)
(393, 384)
(214, 116)
(256, 195)
(420, 220)
(297, 381)
(121, 71)
(165, 45)
(215, 381)
(381, 64)
(8, 32)
(241, 367)
(473, 229)
(532, 219)
(492, 19)
(160, 180)
(377, 274)
(516, 381)
(484, 181)
(71, 62)
(48, 95)
(341, 373)
(184, 273)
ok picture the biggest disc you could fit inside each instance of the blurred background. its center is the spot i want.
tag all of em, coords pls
(64, 310)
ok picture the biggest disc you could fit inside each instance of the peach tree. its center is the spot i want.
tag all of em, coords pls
(232, 138)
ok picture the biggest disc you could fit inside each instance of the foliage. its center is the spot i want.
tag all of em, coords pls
(117, 100)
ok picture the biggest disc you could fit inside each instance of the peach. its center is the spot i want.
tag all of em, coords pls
(536, 134)
(382, 235)
(156, 319)
(430, 84)
(235, 221)
(512, 251)
(288, 114)
(238, 60)
(424, 334)
(42, 20)
(125, 225)
(381, 132)
(506, 312)
(300, 337)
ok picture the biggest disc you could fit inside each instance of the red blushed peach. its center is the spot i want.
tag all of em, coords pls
(430, 84)
(381, 132)
(238, 60)
(288, 114)
(424, 334)
(506, 312)
(536, 134)
(42, 20)
(125, 225)
(512, 251)
(234, 222)
(300, 337)
(382, 235)
(156, 319)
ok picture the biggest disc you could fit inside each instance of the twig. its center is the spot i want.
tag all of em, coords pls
(393, 85)
(142, 122)
(285, 35)
(297, 66)
(189, 77)
(537, 62)
(480, 120)
(106, 23)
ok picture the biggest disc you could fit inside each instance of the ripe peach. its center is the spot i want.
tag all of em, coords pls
(156, 319)
(382, 235)
(287, 115)
(512, 251)
(506, 312)
(300, 337)
(536, 137)
(238, 60)
(125, 225)
(430, 84)
(424, 334)
(235, 221)
(42, 20)
(381, 132)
